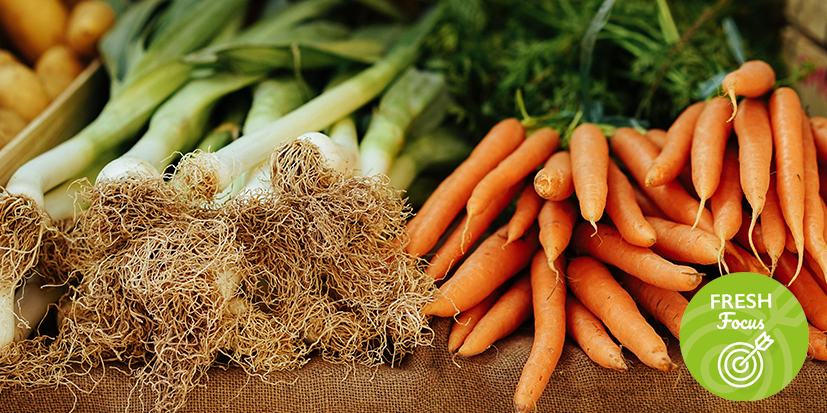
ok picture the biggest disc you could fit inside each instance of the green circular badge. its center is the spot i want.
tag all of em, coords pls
(744, 336)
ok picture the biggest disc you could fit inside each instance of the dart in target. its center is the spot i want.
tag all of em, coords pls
(741, 364)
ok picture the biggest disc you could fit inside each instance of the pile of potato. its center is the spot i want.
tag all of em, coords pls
(44, 45)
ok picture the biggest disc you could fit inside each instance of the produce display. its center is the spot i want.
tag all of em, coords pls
(273, 182)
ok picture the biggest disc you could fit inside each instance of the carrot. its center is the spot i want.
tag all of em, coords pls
(467, 234)
(679, 242)
(657, 136)
(556, 221)
(819, 125)
(785, 118)
(709, 142)
(624, 210)
(740, 260)
(469, 318)
(773, 228)
(812, 298)
(666, 306)
(637, 153)
(525, 212)
(549, 303)
(647, 206)
(516, 166)
(691, 293)
(590, 334)
(589, 165)
(609, 247)
(594, 285)
(817, 347)
(754, 133)
(726, 201)
(485, 269)
(450, 196)
(811, 265)
(752, 79)
(675, 151)
(813, 213)
(754, 241)
(553, 181)
(510, 311)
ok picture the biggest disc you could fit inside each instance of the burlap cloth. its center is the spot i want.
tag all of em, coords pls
(430, 381)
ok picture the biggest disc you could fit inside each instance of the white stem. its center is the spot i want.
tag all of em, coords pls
(31, 303)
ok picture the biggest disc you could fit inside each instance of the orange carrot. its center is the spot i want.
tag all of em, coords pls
(740, 260)
(813, 213)
(553, 181)
(466, 234)
(665, 305)
(469, 318)
(674, 153)
(811, 265)
(556, 221)
(589, 165)
(594, 285)
(539, 145)
(752, 79)
(636, 152)
(709, 142)
(525, 212)
(624, 210)
(819, 125)
(510, 311)
(609, 247)
(817, 347)
(450, 197)
(773, 228)
(785, 118)
(590, 334)
(485, 269)
(726, 202)
(657, 136)
(549, 303)
(647, 206)
(812, 298)
(754, 133)
(679, 242)
(691, 293)
(744, 237)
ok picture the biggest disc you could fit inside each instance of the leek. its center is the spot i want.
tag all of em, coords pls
(317, 114)
(442, 146)
(404, 101)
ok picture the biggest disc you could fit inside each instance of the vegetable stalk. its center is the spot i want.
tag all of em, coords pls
(320, 112)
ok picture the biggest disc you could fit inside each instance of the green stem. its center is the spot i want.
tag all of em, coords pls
(327, 108)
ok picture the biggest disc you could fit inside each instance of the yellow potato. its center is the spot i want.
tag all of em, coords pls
(57, 68)
(88, 21)
(7, 57)
(33, 25)
(10, 125)
(21, 91)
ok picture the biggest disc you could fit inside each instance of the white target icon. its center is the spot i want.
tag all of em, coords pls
(740, 364)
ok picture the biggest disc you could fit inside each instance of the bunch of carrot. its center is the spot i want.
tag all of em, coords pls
(615, 227)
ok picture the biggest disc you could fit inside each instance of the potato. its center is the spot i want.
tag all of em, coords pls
(57, 68)
(33, 25)
(88, 21)
(10, 125)
(21, 91)
(7, 57)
